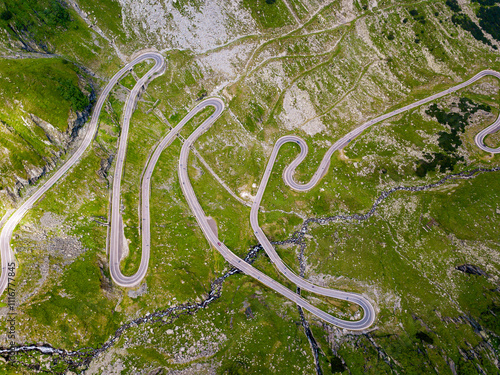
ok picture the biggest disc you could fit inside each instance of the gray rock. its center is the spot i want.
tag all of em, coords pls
(53, 135)
(471, 270)
(249, 313)
(143, 289)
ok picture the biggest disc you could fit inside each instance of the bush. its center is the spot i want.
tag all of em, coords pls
(337, 365)
(420, 18)
(453, 5)
(448, 142)
(466, 23)
(422, 336)
(6, 15)
(486, 2)
(56, 15)
(390, 36)
(490, 21)
(431, 162)
(69, 91)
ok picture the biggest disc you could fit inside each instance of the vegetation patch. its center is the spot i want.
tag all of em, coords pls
(269, 13)
(72, 93)
(486, 2)
(464, 21)
(417, 16)
(448, 141)
(337, 365)
(406, 254)
(422, 336)
(35, 18)
(490, 20)
(453, 5)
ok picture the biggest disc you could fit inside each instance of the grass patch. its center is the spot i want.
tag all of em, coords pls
(269, 13)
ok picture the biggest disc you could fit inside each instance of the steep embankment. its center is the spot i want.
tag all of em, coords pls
(50, 62)
(37, 130)
(314, 68)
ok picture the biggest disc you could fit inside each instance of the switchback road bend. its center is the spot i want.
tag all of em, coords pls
(6, 234)
(116, 230)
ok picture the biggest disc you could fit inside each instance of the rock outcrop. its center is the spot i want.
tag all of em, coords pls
(471, 270)
(62, 142)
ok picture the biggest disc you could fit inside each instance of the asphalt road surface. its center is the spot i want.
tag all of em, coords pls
(345, 140)
(7, 230)
(116, 222)
(479, 139)
(369, 312)
(116, 231)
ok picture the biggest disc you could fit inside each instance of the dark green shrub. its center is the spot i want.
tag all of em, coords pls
(453, 5)
(490, 20)
(6, 15)
(448, 142)
(431, 162)
(422, 336)
(56, 15)
(69, 91)
(466, 23)
(337, 365)
(486, 2)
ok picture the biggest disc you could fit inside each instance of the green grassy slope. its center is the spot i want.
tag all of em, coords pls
(28, 147)
(344, 63)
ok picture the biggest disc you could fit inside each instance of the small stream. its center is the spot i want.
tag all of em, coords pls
(79, 360)
(298, 236)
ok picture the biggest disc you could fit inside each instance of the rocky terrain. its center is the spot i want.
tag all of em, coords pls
(423, 247)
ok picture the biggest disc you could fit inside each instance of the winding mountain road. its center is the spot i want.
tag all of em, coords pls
(479, 139)
(369, 313)
(116, 230)
(7, 230)
(344, 141)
